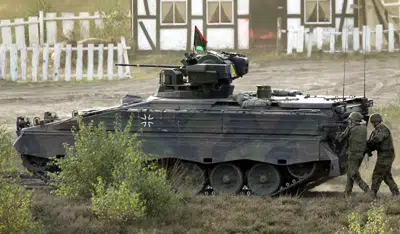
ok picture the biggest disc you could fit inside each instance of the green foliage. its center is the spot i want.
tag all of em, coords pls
(95, 153)
(39, 5)
(376, 222)
(110, 169)
(7, 152)
(116, 22)
(148, 180)
(390, 112)
(117, 202)
(15, 202)
(15, 210)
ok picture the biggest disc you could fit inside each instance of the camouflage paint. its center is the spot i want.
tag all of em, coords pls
(212, 127)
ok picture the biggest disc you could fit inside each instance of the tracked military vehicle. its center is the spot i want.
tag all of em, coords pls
(265, 142)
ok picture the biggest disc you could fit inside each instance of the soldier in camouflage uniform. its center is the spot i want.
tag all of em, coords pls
(356, 136)
(381, 141)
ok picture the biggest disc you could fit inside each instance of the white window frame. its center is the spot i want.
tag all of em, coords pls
(173, 8)
(220, 8)
(316, 22)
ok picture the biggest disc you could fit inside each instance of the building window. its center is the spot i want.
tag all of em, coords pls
(317, 12)
(173, 12)
(220, 11)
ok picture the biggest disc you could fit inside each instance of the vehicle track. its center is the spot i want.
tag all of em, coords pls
(34, 183)
(30, 182)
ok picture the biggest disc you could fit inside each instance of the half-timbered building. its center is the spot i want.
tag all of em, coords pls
(169, 24)
(237, 24)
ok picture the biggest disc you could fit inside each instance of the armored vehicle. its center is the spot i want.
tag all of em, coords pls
(265, 142)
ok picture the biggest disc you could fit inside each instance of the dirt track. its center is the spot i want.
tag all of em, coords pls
(321, 77)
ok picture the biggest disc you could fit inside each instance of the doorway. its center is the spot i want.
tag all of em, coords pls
(263, 23)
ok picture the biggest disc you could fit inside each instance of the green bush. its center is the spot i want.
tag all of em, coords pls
(390, 113)
(15, 210)
(148, 180)
(376, 222)
(15, 201)
(110, 169)
(95, 153)
(117, 202)
(7, 152)
(116, 22)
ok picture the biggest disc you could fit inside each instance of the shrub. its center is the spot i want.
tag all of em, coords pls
(94, 154)
(116, 22)
(110, 169)
(7, 152)
(117, 202)
(15, 201)
(15, 210)
(389, 112)
(148, 180)
(376, 222)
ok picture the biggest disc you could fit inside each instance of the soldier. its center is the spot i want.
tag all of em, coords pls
(356, 136)
(381, 141)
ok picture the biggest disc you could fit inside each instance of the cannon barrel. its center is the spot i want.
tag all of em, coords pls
(147, 65)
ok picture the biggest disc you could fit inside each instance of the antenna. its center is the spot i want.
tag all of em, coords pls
(365, 56)
(344, 61)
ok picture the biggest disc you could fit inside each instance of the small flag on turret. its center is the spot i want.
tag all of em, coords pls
(200, 43)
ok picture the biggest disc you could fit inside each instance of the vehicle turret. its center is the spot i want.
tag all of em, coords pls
(201, 76)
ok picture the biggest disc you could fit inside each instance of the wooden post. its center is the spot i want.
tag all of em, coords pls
(110, 60)
(90, 61)
(133, 17)
(23, 62)
(100, 62)
(360, 9)
(3, 61)
(309, 42)
(79, 63)
(120, 54)
(14, 62)
(278, 34)
(68, 62)
(41, 27)
(56, 62)
(35, 62)
(45, 65)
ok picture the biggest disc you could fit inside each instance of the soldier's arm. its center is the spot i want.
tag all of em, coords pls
(378, 136)
(343, 135)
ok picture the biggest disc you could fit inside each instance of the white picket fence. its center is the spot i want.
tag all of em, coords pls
(351, 39)
(57, 66)
(37, 25)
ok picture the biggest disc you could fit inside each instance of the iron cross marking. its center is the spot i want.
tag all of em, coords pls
(147, 120)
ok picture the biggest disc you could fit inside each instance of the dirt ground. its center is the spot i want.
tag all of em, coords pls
(314, 77)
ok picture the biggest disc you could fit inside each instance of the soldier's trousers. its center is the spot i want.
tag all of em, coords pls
(353, 174)
(382, 172)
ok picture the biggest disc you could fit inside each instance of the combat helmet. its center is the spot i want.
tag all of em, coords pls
(356, 116)
(375, 118)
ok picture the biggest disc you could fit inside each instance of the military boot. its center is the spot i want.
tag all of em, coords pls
(395, 191)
